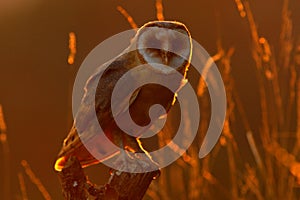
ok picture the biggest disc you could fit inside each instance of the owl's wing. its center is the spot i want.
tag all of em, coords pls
(98, 89)
(103, 88)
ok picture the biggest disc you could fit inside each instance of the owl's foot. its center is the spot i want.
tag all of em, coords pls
(132, 162)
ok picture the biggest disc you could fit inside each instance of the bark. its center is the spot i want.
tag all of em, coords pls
(120, 186)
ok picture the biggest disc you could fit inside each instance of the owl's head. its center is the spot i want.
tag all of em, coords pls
(165, 42)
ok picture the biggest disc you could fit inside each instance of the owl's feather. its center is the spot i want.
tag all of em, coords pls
(83, 123)
(139, 103)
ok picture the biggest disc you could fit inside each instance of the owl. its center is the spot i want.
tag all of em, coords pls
(154, 45)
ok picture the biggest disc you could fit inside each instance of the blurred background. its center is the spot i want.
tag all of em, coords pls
(35, 80)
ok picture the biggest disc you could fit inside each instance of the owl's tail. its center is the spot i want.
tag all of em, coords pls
(73, 146)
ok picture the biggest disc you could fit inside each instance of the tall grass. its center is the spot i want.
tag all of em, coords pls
(273, 173)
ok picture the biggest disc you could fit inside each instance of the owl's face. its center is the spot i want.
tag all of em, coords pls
(165, 42)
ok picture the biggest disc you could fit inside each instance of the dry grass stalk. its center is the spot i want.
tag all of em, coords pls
(240, 8)
(249, 133)
(207, 162)
(291, 98)
(159, 10)
(271, 74)
(152, 192)
(201, 85)
(288, 75)
(192, 158)
(22, 186)
(227, 132)
(6, 156)
(127, 17)
(163, 179)
(72, 71)
(232, 166)
(72, 48)
(35, 180)
(254, 151)
(297, 65)
(286, 38)
(161, 185)
(3, 127)
(257, 53)
(295, 96)
(298, 113)
(251, 183)
(295, 90)
(212, 180)
(285, 158)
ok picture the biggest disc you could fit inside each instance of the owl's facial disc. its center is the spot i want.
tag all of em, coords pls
(166, 43)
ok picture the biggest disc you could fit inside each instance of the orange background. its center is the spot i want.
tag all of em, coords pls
(34, 74)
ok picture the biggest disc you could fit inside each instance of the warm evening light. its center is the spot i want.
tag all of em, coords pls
(149, 100)
(60, 163)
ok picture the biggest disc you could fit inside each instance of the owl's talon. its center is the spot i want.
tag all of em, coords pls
(134, 163)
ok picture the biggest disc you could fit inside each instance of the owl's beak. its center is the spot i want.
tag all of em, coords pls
(165, 57)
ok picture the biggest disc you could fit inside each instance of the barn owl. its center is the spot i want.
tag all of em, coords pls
(163, 40)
